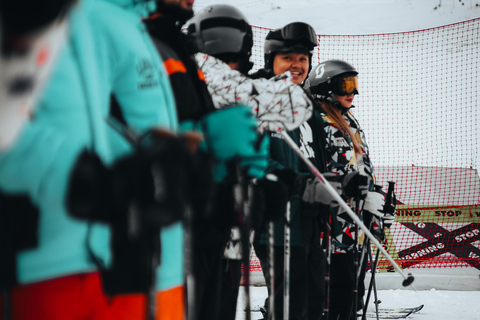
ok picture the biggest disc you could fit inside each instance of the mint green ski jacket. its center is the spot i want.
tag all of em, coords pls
(107, 52)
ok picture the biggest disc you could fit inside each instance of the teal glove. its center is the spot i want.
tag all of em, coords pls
(231, 134)
(255, 166)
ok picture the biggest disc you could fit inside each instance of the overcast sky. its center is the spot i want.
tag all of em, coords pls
(332, 17)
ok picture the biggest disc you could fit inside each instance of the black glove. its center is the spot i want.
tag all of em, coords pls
(18, 231)
(153, 180)
(275, 195)
(223, 211)
(201, 186)
(257, 206)
(293, 181)
(354, 185)
(91, 193)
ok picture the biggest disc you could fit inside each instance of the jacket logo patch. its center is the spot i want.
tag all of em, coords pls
(341, 142)
(276, 135)
(146, 74)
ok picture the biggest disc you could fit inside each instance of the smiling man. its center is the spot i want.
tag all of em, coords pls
(289, 49)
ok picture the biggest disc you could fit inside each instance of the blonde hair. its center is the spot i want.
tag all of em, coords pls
(339, 121)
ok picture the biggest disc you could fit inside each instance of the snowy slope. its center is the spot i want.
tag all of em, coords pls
(342, 17)
(438, 304)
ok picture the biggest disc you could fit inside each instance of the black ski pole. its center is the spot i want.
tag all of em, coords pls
(388, 208)
(328, 245)
(190, 305)
(372, 284)
(153, 262)
(151, 294)
(286, 266)
(356, 265)
(375, 296)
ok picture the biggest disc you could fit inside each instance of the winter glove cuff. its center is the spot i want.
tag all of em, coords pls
(388, 219)
(374, 203)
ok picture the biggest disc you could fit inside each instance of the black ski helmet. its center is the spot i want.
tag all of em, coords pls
(294, 37)
(324, 79)
(220, 29)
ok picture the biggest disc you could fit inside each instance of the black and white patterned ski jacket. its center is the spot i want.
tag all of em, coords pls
(341, 159)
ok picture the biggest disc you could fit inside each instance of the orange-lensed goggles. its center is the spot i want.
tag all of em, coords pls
(346, 85)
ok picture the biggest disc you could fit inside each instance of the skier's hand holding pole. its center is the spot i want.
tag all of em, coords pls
(328, 187)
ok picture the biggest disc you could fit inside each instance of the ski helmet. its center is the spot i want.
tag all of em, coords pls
(220, 29)
(295, 37)
(333, 77)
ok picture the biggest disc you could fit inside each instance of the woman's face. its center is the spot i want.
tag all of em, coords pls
(346, 101)
(296, 63)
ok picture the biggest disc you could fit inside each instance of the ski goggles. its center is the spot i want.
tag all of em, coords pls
(296, 32)
(346, 85)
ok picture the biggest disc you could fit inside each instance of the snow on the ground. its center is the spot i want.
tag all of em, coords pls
(438, 304)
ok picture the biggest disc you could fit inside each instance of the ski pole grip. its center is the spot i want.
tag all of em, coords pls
(389, 207)
(408, 281)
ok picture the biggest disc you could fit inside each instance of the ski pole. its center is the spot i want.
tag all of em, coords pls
(242, 191)
(372, 284)
(357, 265)
(378, 188)
(286, 266)
(375, 296)
(388, 208)
(188, 256)
(326, 308)
(150, 306)
(408, 279)
(271, 270)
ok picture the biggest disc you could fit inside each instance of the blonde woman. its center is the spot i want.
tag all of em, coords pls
(334, 84)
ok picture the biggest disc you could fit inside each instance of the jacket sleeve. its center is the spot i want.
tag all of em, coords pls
(277, 103)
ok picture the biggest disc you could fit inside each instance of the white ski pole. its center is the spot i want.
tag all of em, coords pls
(271, 270)
(408, 279)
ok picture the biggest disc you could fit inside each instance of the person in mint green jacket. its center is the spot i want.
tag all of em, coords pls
(138, 73)
(88, 179)
(56, 278)
(132, 72)
(69, 128)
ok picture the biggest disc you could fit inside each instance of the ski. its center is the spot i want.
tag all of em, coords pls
(255, 309)
(373, 315)
(401, 310)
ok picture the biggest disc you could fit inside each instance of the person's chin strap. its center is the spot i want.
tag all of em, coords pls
(245, 65)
